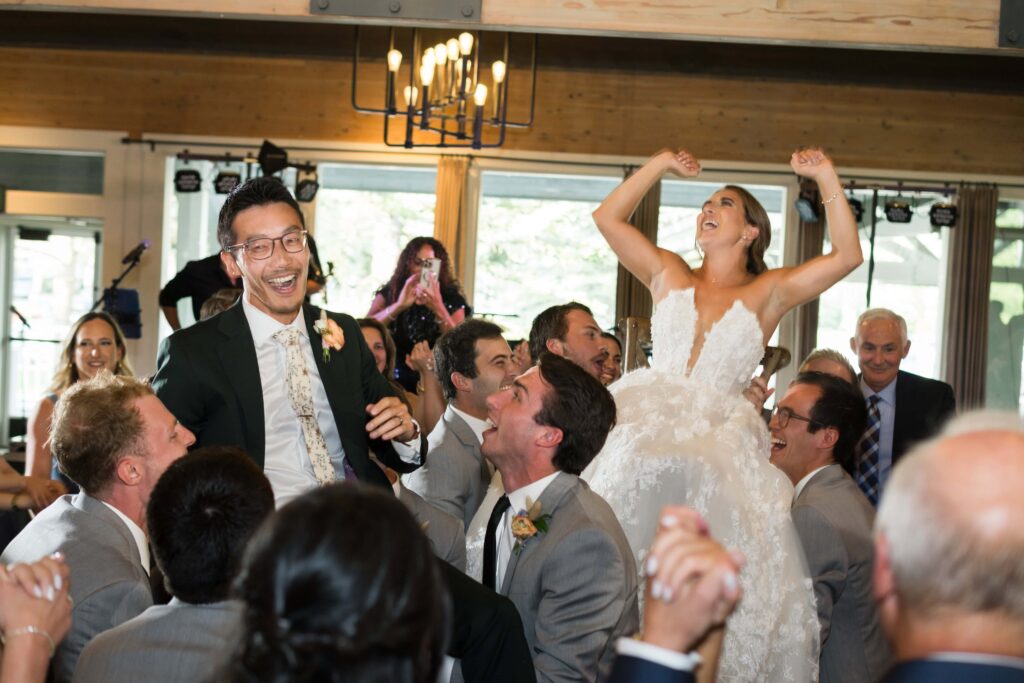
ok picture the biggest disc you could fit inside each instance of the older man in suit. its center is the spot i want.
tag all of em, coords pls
(554, 546)
(472, 362)
(948, 555)
(114, 439)
(903, 408)
(814, 429)
(202, 513)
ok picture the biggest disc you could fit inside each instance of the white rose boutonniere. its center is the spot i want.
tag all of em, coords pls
(331, 335)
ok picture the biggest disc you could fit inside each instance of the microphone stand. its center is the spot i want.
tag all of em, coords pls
(117, 280)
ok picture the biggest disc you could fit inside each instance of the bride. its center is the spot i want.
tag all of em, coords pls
(685, 434)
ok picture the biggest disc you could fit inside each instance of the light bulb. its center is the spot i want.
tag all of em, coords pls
(465, 43)
(498, 71)
(428, 59)
(411, 93)
(480, 95)
(426, 73)
(394, 60)
(440, 54)
(453, 49)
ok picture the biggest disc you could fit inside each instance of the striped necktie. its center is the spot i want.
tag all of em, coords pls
(867, 451)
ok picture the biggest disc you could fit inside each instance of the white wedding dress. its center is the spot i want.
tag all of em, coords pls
(692, 439)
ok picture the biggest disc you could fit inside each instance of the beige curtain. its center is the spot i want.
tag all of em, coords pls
(967, 303)
(810, 239)
(631, 296)
(455, 216)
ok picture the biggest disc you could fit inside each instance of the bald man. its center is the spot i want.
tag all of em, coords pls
(949, 548)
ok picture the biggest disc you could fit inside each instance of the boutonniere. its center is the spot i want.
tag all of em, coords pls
(527, 524)
(331, 335)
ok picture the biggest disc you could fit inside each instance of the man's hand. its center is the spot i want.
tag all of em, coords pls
(390, 420)
(692, 582)
(42, 491)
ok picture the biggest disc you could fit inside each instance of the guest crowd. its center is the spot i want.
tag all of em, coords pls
(289, 500)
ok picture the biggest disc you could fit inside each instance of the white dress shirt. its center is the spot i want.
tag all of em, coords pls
(138, 535)
(517, 500)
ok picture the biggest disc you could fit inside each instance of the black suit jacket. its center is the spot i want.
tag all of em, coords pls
(922, 406)
(208, 377)
(935, 671)
(629, 669)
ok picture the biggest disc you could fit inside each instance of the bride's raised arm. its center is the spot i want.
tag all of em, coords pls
(806, 281)
(637, 253)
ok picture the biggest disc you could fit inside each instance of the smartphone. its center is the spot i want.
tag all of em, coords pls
(431, 267)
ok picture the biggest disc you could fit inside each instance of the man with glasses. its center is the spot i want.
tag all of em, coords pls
(305, 399)
(814, 428)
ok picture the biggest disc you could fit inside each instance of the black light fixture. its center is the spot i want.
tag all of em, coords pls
(272, 158)
(898, 210)
(943, 214)
(805, 207)
(226, 181)
(306, 189)
(187, 180)
(446, 101)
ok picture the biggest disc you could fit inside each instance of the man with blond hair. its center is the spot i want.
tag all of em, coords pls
(903, 408)
(948, 549)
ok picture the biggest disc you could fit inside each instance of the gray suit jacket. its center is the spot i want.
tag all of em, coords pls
(173, 643)
(455, 476)
(575, 586)
(834, 520)
(108, 584)
(445, 533)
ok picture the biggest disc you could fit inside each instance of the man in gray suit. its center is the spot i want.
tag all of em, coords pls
(472, 362)
(554, 546)
(201, 515)
(814, 429)
(114, 438)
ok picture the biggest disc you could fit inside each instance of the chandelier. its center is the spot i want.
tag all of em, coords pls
(445, 94)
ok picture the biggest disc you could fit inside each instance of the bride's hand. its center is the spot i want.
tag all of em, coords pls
(681, 162)
(813, 163)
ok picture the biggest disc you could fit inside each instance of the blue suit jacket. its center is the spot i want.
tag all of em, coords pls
(627, 669)
(938, 671)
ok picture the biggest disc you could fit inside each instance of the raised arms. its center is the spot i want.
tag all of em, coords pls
(636, 253)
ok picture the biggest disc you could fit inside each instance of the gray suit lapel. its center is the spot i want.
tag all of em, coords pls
(550, 500)
(828, 475)
(464, 433)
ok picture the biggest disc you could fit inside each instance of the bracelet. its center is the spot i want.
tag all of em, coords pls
(831, 199)
(29, 631)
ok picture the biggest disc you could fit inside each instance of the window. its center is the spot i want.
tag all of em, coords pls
(1006, 309)
(365, 215)
(537, 246)
(909, 276)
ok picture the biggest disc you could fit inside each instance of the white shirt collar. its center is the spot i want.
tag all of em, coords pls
(263, 327)
(137, 534)
(531, 491)
(807, 477)
(887, 394)
(475, 423)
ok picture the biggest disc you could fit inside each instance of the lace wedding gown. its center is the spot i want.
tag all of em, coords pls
(692, 439)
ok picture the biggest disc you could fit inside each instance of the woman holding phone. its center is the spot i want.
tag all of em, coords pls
(421, 301)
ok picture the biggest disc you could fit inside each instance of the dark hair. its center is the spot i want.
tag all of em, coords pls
(341, 585)
(201, 513)
(456, 351)
(95, 423)
(67, 372)
(389, 343)
(403, 269)
(754, 214)
(256, 192)
(841, 407)
(609, 335)
(552, 323)
(580, 406)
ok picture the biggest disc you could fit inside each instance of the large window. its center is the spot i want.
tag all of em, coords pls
(537, 246)
(909, 278)
(365, 215)
(1006, 309)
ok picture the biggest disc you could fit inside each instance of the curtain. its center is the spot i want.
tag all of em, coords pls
(967, 302)
(631, 296)
(455, 216)
(810, 239)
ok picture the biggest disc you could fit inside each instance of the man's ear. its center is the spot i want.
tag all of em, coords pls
(853, 344)
(230, 266)
(555, 346)
(461, 382)
(129, 470)
(883, 584)
(906, 349)
(827, 437)
(550, 437)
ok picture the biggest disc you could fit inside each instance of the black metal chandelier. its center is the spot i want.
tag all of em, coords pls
(450, 98)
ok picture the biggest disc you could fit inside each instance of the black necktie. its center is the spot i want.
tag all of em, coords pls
(491, 541)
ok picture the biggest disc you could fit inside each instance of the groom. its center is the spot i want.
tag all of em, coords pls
(553, 545)
(256, 376)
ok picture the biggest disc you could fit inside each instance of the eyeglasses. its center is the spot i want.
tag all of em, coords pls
(784, 415)
(260, 248)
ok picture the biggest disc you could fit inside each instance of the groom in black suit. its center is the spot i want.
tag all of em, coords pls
(305, 404)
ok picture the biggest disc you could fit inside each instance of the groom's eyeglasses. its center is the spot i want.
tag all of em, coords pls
(784, 415)
(260, 248)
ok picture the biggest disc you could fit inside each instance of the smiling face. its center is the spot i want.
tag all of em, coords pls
(95, 349)
(275, 285)
(880, 349)
(494, 369)
(582, 343)
(515, 432)
(377, 347)
(722, 220)
(795, 450)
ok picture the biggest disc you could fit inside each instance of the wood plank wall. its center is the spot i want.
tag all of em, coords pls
(584, 111)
